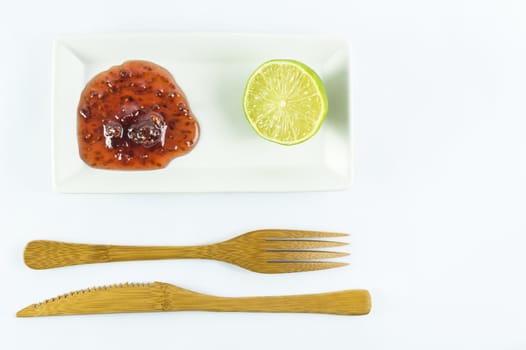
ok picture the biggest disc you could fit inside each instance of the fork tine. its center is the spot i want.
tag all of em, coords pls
(299, 266)
(301, 234)
(300, 244)
(288, 255)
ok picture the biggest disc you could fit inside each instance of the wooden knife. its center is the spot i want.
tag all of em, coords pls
(159, 296)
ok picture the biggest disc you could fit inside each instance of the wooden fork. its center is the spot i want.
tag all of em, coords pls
(265, 251)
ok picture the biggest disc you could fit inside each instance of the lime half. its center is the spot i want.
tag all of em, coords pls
(285, 101)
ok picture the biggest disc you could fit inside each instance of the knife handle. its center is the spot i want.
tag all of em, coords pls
(43, 254)
(346, 302)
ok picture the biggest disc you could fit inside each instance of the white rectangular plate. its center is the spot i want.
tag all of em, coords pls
(212, 70)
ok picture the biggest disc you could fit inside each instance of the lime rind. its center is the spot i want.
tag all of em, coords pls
(316, 86)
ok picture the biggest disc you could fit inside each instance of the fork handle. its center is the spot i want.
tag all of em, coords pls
(346, 302)
(43, 254)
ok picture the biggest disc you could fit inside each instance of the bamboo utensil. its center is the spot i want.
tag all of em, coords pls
(158, 296)
(265, 251)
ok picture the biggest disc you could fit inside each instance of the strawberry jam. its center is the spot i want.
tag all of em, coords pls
(134, 117)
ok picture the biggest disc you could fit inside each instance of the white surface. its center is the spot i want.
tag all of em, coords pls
(436, 208)
(212, 72)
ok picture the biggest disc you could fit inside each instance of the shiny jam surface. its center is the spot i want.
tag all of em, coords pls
(134, 117)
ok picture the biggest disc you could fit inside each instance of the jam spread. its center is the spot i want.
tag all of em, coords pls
(134, 117)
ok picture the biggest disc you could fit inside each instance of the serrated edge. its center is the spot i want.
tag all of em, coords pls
(92, 289)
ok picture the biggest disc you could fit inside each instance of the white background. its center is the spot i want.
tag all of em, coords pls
(436, 210)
